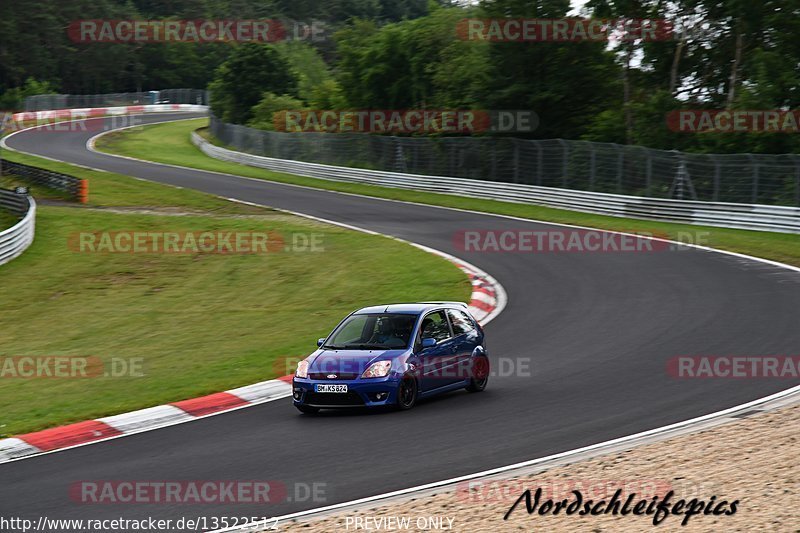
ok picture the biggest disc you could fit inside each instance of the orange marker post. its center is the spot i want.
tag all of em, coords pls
(83, 191)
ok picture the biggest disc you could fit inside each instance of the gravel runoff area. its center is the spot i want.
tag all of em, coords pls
(755, 460)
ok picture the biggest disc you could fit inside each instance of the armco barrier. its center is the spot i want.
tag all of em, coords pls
(76, 187)
(16, 239)
(740, 216)
(93, 112)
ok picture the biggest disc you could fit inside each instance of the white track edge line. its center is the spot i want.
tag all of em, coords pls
(501, 294)
(599, 447)
(635, 436)
(692, 421)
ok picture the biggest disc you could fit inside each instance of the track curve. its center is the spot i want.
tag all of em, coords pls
(598, 328)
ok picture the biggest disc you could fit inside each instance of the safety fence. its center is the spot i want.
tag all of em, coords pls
(742, 216)
(45, 102)
(579, 165)
(16, 239)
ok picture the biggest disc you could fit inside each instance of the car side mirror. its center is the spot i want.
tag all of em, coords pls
(320, 342)
(428, 342)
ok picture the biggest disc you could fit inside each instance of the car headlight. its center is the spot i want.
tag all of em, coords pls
(302, 369)
(379, 369)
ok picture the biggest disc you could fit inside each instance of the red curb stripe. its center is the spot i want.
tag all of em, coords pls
(482, 305)
(484, 290)
(220, 401)
(287, 379)
(61, 437)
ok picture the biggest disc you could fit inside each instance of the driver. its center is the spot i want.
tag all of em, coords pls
(386, 333)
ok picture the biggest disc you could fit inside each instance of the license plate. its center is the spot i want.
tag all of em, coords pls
(322, 387)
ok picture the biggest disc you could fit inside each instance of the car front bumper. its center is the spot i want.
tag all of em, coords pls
(360, 393)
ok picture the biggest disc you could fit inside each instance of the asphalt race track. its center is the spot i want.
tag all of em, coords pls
(598, 329)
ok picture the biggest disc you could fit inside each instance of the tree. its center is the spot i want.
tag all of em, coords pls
(315, 83)
(240, 82)
(264, 113)
(565, 83)
(13, 99)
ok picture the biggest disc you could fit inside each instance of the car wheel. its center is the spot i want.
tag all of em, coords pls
(307, 410)
(407, 393)
(480, 374)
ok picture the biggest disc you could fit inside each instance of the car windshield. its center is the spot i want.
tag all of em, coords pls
(386, 331)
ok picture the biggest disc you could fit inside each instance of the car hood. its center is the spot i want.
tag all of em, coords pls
(350, 363)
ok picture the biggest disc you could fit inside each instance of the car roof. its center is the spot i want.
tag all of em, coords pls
(408, 308)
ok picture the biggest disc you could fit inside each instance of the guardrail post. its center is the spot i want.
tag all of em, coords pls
(717, 179)
(592, 166)
(648, 177)
(620, 164)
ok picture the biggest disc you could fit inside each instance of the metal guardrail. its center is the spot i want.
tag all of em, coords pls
(17, 238)
(731, 215)
(76, 187)
(772, 179)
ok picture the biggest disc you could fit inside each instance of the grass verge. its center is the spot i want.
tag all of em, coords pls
(7, 219)
(192, 324)
(170, 143)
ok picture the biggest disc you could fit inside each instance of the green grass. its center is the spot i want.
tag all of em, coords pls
(200, 323)
(170, 143)
(108, 189)
(7, 219)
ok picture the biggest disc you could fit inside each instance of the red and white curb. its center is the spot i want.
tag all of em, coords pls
(488, 296)
(148, 419)
(93, 112)
(487, 301)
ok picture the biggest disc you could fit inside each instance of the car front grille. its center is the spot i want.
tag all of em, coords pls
(333, 398)
(324, 375)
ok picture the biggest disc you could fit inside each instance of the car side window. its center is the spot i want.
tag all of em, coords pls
(460, 321)
(435, 326)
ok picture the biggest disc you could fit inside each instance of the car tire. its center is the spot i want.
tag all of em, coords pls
(480, 374)
(307, 409)
(407, 393)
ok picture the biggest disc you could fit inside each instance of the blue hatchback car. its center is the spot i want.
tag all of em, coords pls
(393, 355)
